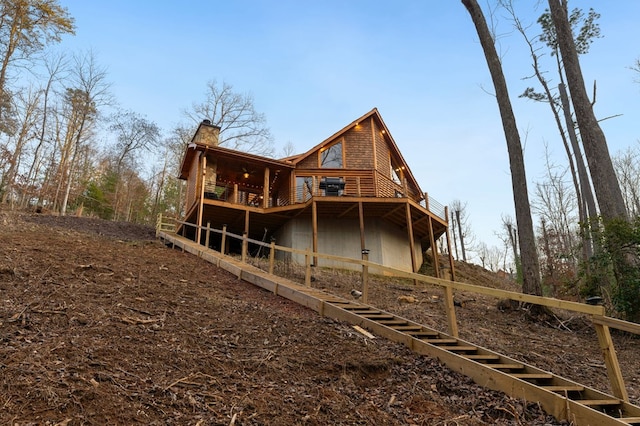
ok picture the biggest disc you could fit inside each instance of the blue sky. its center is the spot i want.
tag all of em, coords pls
(313, 67)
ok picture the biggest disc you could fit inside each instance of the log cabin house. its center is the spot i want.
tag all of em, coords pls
(352, 193)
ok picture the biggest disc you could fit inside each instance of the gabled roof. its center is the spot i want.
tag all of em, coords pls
(387, 136)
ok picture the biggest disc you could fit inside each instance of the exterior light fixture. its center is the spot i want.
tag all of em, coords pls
(246, 175)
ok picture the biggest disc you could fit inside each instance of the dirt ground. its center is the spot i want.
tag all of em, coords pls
(102, 324)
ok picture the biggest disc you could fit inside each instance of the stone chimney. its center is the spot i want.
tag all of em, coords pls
(207, 134)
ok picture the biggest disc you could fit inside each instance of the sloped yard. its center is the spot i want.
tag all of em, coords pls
(102, 324)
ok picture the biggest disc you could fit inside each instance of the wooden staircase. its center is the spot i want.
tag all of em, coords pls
(559, 397)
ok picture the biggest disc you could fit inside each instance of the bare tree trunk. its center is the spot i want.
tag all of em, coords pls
(529, 256)
(603, 174)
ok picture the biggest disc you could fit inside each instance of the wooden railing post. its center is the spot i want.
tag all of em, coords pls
(451, 311)
(245, 243)
(611, 361)
(158, 225)
(272, 255)
(224, 239)
(206, 238)
(307, 272)
(365, 276)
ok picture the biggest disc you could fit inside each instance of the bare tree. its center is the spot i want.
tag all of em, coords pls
(462, 228)
(26, 26)
(601, 168)
(241, 127)
(627, 165)
(588, 30)
(26, 103)
(56, 67)
(134, 134)
(90, 91)
(529, 257)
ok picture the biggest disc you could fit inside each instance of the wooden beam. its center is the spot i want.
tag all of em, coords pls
(451, 262)
(392, 211)
(611, 361)
(630, 327)
(349, 209)
(434, 250)
(203, 164)
(314, 229)
(361, 217)
(265, 189)
(414, 262)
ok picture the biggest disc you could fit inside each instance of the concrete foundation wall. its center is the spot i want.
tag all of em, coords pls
(387, 245)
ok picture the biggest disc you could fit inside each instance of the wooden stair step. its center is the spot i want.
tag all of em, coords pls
(562, 388)
(630, 420)
(598, 401)
(533, 376)
(482, 357)
(407, 328)
(506, 366)
(377, 316)
(422, 334)
(392, 322)
(441, 341)
(459, 348)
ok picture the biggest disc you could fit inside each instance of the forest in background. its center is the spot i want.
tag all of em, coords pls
(67, 147)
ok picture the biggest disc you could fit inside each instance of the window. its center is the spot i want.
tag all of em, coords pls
(331, 157)
(396, 172)
(304, 188)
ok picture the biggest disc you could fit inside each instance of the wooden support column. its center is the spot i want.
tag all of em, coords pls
(203, 164)
(611, 361)
(361, 217)
(235, 193)
(265, 189)
(414, 262)
(434, 250)
(451, 263)
(246, 222)
(314, 229)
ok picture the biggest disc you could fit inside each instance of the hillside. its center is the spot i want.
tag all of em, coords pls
(102, 324)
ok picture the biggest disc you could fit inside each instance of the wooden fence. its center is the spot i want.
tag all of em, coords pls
(601, 322)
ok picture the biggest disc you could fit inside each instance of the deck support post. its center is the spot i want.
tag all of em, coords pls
(451, 263)
(365, 276)
(201, 200)
(314, 229)
(414, 266)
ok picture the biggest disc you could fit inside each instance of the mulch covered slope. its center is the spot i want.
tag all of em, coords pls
(101, 324)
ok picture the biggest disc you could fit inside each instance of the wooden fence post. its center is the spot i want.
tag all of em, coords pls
(451, 311)
(307, 273)
(224, 239)
(611, 361)
(245, 243)
(272, 255)
(365, 276)
(158, 225)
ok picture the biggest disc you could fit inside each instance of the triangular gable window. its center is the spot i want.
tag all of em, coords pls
(332, 157)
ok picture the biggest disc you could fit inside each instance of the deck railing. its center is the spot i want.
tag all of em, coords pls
(308, 186)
